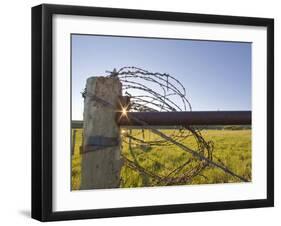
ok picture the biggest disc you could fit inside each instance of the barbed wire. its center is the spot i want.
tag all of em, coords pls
(154, 91)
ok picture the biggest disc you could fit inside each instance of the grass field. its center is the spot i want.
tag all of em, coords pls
(231, 147)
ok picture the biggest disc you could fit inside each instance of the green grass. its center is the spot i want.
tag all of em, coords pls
(231, 147)
(76, 161)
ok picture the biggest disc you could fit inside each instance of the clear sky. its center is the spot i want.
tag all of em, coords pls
(216, 74)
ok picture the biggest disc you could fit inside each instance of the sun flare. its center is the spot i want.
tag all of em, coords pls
(124, 112)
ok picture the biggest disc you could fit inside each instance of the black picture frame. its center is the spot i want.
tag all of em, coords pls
(42, 111)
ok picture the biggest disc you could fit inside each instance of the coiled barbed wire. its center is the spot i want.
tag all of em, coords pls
(154, 91)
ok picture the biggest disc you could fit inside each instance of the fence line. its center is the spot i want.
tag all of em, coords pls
(182, 118)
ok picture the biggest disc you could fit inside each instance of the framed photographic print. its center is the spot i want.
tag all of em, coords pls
(146, 112)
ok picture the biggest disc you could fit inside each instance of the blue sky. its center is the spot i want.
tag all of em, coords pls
(216, 75)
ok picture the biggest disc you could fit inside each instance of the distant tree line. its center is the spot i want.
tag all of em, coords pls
(201, 127)
(227, 127)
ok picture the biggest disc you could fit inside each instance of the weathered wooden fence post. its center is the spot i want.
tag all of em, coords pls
(101, 159)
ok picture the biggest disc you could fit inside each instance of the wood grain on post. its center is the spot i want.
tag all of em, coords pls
(101, 159)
